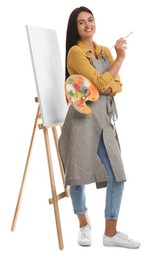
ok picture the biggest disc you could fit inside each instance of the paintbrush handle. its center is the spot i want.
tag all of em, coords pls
(124, 38)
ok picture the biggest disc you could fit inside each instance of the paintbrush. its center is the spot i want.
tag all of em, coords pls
(124, 38)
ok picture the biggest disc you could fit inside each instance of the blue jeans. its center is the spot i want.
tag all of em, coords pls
(114, 189)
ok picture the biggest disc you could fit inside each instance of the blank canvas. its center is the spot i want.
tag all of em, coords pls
(48, 73)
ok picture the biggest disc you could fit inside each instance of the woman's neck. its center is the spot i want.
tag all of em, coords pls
(90, 44)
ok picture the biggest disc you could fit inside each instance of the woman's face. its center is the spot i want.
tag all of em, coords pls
(86, 25)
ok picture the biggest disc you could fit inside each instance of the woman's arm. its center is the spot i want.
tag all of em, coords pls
(107, 83)
(120, 48)
(78, 63)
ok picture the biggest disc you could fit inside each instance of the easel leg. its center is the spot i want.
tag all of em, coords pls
(55, 135)
(53, 189)
(25, 173)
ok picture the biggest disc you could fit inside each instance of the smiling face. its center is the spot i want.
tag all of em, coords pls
(86, 25)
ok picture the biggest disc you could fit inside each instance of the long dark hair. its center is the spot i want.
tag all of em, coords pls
(72, 35)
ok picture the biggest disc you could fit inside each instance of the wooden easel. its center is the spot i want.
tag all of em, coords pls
(55, 196)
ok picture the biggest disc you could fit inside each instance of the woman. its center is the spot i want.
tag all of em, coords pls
(88, 144)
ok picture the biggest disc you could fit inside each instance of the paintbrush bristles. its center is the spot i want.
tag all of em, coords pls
(127, 35)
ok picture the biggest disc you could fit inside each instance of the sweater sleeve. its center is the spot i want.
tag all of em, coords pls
(79, 63)
(116, 84)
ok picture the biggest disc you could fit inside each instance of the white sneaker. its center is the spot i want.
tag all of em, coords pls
(84, 236)
(121, 240)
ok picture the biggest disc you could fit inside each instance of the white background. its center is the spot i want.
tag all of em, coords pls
(35, 234)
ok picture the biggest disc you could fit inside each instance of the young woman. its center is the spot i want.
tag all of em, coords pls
(88, 144)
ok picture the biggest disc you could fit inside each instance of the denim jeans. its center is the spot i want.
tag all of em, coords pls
(114, 189)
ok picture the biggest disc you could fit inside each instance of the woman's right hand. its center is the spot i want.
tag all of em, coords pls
(107, 92)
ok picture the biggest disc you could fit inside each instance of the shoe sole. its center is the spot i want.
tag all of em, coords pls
(123, 246)
(85, 245)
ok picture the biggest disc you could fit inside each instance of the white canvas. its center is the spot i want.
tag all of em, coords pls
(48, 72)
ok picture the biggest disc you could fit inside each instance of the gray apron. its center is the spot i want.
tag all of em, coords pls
(78, 142)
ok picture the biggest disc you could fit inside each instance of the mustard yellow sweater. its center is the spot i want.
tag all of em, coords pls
(78, 62)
